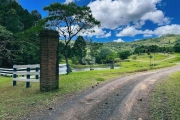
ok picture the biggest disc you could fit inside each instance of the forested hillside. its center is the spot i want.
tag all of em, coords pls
(18, 34)
(165, 41)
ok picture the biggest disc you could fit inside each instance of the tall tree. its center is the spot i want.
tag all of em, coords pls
(111, 58)
(70, 19)
(79, 49)
(7, 49)
(94, 48)
(15, 18)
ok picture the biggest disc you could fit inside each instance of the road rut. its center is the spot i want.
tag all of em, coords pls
(125, 98)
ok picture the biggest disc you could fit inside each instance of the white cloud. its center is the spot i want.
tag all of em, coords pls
(168, 29)
(98, 32)
(118, 40)
(147, 35)
(129, 31)
(163, 30)
(68, 1)
(156, 17)
(115, 13)
(104, 35)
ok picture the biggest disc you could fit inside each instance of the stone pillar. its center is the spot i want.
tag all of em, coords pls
(49, 62)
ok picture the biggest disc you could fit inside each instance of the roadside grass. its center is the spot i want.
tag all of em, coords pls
(19, 101)
(165, 99)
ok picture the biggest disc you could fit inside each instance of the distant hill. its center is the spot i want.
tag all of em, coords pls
(167, 40)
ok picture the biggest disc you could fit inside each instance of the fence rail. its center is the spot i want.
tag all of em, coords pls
(27, 73)
(9, 71)
(6, 72)
(31, 74)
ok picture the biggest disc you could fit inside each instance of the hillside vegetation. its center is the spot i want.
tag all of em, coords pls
(167, 41)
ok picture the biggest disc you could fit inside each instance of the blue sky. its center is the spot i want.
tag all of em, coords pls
(124, 20)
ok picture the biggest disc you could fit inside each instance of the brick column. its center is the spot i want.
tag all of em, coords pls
(49, 64)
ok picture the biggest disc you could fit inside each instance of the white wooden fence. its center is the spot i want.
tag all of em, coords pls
(31, 73)
(6, 72)
(27, 73)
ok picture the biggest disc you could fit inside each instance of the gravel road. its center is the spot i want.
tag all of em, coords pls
(125, 98)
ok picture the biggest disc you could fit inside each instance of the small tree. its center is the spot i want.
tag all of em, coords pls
(150, 57)
(111, 57)
(124, 54)
(69, 19)
(134, 58)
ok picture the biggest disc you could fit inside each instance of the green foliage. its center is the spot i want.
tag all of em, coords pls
(79, 49)
(74, 60)
(29, 45)
(177, 46)
(164, 44)
(15, 18)
(134, 57)
(6, 46)
(124, 54)
(102, 55)
(111, 56)
(64, 52)
(20, 34)
(94, 48)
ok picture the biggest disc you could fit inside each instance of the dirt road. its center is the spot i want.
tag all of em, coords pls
(125, 98)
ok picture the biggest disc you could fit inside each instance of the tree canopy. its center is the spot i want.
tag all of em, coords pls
(79, 49)
(19, 34)
(69, 19)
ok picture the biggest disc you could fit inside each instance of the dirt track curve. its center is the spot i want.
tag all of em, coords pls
(125, 98)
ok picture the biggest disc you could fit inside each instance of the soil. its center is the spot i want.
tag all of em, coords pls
(125, 98)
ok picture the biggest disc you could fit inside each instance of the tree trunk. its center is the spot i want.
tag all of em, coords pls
(112, 67)
(67, 65)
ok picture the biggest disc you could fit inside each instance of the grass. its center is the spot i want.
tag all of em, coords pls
(166, 99)
(85, 66)
(17, 101)
(155, 57)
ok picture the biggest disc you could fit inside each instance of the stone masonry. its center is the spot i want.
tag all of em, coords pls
(49, 66)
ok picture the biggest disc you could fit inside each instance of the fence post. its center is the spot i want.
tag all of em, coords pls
(28, 77)
(67, 69)
(37, 76)
(14, 76)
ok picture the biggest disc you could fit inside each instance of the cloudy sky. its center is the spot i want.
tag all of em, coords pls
(125, 20)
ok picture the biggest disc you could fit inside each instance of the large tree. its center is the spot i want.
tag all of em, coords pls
(94, 48)
(79, 49)
(16, 19)
(69, 19)
(6, 46)
(102, 55)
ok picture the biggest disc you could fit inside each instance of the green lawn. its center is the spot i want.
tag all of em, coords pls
(166, 99)
(18, 101)
(155, 57)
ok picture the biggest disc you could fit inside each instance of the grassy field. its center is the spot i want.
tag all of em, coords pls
(166, 99)
(18, 101)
